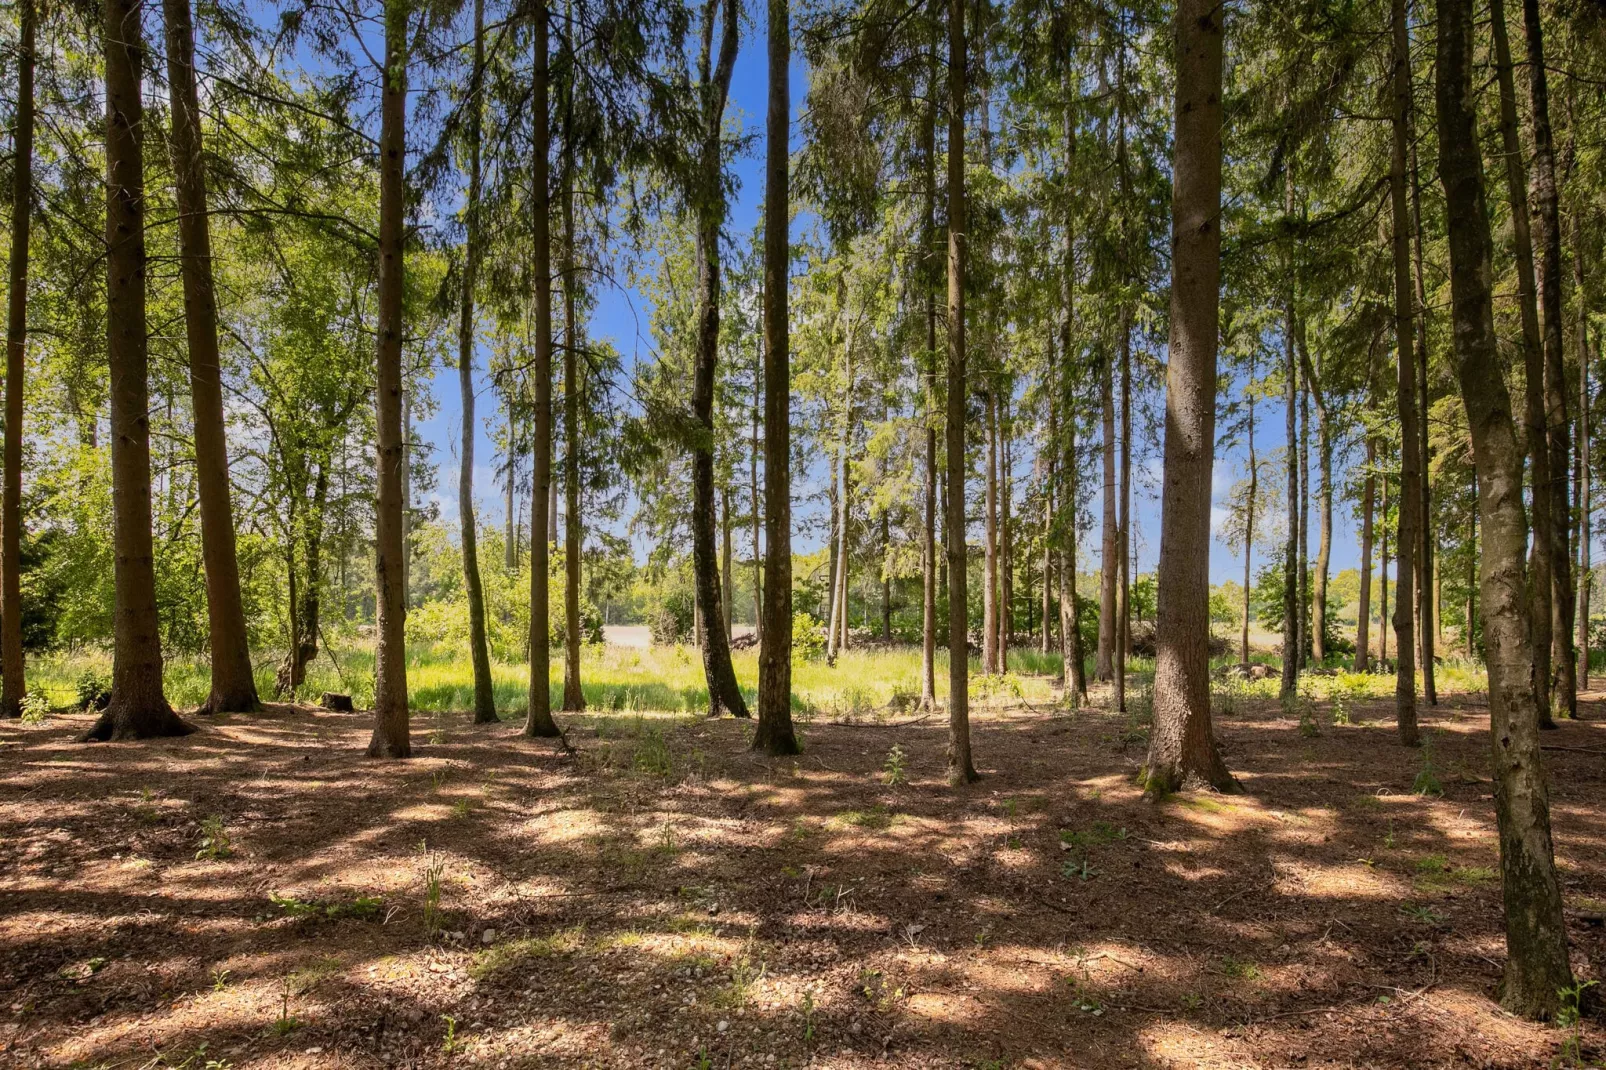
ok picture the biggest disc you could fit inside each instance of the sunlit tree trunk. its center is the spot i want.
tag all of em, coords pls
(138, 708)
(989, 581)
(773, 734)
(11, 658)
(1110, 547)
(1405, 364)
(478, 646)
(538, 720)
(928, 580)
(1542, 541)
(1070, 628)
(1123, 611)
(752, 493)
(1324, 505)
(1249, 518)
(961, 769)
(1537, 968)
(1006, 538)
(574, 699)
(1585, 470)
(1291, 607)
(1363, 617)
(1182, 745)
(1428, 612)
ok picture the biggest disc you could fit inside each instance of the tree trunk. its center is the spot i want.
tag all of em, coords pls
(478, 645)
(1006, 537)
(1291, 609)
(1304, 643)
(1363, 617)
(928, 578)
(1182, 745)
(538, 720)
(1324, 505)
(138, 708)
(1429, 616)
(726, 557)
(1586, 505)
(1047, 463)
(774, 733)
(961, 770)
(989, 582)
(1383, 584)
(1123, 615)
(574, 699)
(1548, 277)
(11, 658)
(1110, 547)
(1537, 968)
(510, 543)
(233, 686)
(1249, 520)
(723, 693)
(752, 495)
(390, 738)
(1542, 549)
(1070, 621)
(1404, 321)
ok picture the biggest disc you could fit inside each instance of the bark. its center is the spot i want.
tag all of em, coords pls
(961, 769)
(1584, 468)
(1428, 616)
(774, 734)
(1249, 519)
(752, 497)
(1109, 550)
(1542, 549)
(1182, 745)
(989, 589)
(478, 645)
(574, 699)
(510, 542)
(928, 579)
(1548, 277)
(1123, 616)
(1291, 608)
(1383, 583)
(1047, 464)
(1404, 322)
(1304, 643)
(723, 693)
(138, 707)
(1070, 626)
(837, 637)
(390, 738)
(1363, 619)
(1006, 535)
(11, 658)
(1324, 506)
(726, 555)
(538, 720)
(1537, 967)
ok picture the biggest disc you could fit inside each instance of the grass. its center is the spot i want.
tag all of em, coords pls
(624, 680)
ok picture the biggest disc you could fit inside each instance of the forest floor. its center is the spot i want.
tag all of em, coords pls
(665, 898)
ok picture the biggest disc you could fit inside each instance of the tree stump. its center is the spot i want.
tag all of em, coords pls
(336, 702)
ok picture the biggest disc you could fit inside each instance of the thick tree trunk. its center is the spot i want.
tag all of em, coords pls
(390, 738)
(1537, 968)
(11, 659)
(1548, 279)
(723, 693)
(961, 770)
(478, 645)
(138, 708)
(774, 733)
(1070, 621)
(233, 686)
(1542, 543)
(1404, 322)
(1363, 617)
(1182, 745)
(1291, 607)
(538, 720)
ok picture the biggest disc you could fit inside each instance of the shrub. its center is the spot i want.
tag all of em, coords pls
(808, 637)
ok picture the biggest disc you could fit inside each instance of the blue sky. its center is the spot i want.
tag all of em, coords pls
(622, 316)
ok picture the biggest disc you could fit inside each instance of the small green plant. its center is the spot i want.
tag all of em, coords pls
(286, 1023)
(892, 770)
(35, 705)
(434, 869)
(807, 1011)
(462, 808)
(450, 1045)
(653, 755)
(808, 638)
(89, 689)
(1241, 969)
(1570, 1017)
(220, 979)
(1424, 915)
(877, 817)
(1079, 868)
(1427, 777)
(215, 842)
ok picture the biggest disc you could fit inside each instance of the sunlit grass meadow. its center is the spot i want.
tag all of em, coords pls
(863, 682)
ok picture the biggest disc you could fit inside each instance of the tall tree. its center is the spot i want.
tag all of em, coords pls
(1291, 606)
(390, 738)
(1182, 745)
(574, 699)
(11, 659)
(478, 645)
(1537, 968)
(1405, 363)
(774, 733)
(929, 278)
(138, 708)
(961, 770)
(1548, 277)
(715, 78)
(538, 720)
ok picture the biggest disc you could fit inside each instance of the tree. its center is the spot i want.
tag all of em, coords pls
(961, 770)
(233, 684)
(1182, 745)
(1537, 968)
(11, 659)
(1404, 321)
(138, 708)
(390, 738)
(478, 647)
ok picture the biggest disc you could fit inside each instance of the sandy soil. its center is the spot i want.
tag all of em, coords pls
(664, 898)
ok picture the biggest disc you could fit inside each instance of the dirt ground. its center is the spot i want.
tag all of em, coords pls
(666, 899)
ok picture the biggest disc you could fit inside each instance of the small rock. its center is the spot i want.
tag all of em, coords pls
(722, 1026)
(488, 936)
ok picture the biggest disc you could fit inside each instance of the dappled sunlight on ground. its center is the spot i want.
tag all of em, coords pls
(663, 894)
